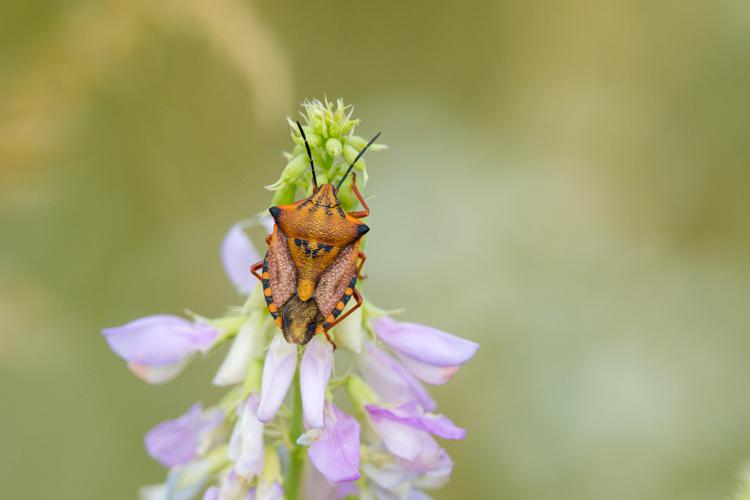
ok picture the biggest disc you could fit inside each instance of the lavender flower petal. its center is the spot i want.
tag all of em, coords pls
(425, 344)
(157, 374)
(175, 442)
(278, 371)
(390, 380)
(237, 255)
(314, 372)
(211, 493)
(438, 474)
(336, 452)
(430, 374)
(404, 441)
(411, 414)
(319, 488)
(159, 340)
(246, 443)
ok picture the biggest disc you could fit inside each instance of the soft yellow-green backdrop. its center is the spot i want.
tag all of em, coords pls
(568, 184)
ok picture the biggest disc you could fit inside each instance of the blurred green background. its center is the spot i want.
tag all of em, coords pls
(568, 184)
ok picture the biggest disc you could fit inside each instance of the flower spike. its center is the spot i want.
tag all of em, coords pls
(273, 435)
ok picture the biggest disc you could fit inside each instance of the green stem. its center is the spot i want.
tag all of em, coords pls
(297, 452)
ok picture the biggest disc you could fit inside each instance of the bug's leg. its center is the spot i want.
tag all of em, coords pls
(268, 239)
(254, 269)
(361, 213)
(328, 338)
(341, 318)
(362, 256)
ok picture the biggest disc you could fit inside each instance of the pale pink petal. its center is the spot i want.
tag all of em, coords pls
(158, 374)
(431, 374)
(278, 371)
(314, 372)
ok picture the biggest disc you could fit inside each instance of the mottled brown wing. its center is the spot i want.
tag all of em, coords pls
(336, 284)
(282, 274)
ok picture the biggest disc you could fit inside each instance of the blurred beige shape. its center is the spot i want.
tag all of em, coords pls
(233, 28)
(39, 103)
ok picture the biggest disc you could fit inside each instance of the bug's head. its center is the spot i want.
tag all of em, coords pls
(325, 196)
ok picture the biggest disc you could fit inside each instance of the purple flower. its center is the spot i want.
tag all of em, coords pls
(175, 442)
(411, 414)
(320, 488)
(278, 371)
(335, 452)
(390, 380)
(237, 255)
(246, 443)
(158, 347)
(425, 344)
(395, 478)
(314, 372)
(416, 448)
(430, 374)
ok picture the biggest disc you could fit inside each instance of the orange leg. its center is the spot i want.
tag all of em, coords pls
(362, 256)
(254, 269)
(328, 338)
(268, 239)
(362, 213)
(341, 318)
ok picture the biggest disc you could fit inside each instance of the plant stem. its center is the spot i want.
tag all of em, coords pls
(297, 453)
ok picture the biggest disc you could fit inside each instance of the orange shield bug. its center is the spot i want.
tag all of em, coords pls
(310, 270)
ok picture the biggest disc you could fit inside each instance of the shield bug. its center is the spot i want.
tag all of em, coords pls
(310, 270)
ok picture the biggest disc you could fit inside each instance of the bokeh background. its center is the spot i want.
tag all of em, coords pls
(568, 183)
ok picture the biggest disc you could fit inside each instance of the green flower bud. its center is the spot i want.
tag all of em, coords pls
(292, 171)
(253, 377)
(333, 147)
(356, 142)
(350, 154)
(313, 139)
(359, 392)
(346, 196)
(284, 195)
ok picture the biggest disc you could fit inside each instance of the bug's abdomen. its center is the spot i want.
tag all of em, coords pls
(310, 258)
(300, 320)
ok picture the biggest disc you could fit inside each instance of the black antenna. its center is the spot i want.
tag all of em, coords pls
(309, 155)
(357, 159)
